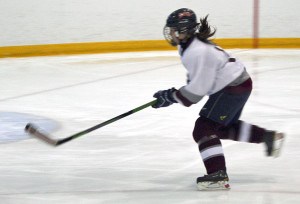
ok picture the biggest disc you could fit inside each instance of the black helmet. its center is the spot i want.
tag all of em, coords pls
(183, 20)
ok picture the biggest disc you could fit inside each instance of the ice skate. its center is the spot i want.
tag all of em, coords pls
(274, 142)
(214, 181)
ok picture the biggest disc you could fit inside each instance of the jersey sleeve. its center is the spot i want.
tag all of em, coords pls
(202, 73)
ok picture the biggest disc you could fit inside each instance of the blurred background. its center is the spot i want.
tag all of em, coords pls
(36, 22)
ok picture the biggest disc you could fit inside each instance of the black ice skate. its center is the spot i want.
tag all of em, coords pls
(274, 142)
(214, 181)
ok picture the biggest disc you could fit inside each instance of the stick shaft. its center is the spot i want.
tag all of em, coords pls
(84, 132)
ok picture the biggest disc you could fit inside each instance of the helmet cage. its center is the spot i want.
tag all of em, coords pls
(168, 32)
(180, 21)
(171, 32)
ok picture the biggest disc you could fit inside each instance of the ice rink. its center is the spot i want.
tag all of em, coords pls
(150, 156)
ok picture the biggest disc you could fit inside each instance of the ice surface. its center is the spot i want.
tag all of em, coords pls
(150, 156)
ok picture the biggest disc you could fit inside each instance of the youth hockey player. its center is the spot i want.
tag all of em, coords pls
(222, 77)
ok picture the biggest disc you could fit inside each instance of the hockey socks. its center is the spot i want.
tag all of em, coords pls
(211, 151)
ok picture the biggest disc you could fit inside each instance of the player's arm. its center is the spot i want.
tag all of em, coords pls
(201, 76)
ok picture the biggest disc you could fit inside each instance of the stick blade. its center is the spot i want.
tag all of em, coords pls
(33, 130)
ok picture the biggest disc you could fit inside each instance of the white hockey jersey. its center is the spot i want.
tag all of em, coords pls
(210, 69)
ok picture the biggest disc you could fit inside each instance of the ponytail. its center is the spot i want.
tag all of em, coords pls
(205, 31)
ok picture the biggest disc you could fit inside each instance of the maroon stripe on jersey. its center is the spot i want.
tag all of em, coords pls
(184, 100)
(242, 88)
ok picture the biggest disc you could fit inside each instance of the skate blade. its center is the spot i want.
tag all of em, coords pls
(278, 143)
(213, 186)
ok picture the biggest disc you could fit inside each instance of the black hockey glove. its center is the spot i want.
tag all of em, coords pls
(164, 98)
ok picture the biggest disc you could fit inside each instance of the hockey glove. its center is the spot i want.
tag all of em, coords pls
(164, 98)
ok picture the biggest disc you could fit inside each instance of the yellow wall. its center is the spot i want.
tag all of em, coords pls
(133, 46)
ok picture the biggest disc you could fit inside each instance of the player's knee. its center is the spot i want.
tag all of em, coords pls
(204, 127)
(199, 129)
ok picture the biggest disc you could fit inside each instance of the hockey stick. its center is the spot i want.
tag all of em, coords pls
(32, 129)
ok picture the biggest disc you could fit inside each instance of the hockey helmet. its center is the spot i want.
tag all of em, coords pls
(181, 21)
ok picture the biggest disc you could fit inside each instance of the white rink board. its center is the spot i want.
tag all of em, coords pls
(35, 22)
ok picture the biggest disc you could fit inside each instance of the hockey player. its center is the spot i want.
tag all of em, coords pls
(222, 77)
